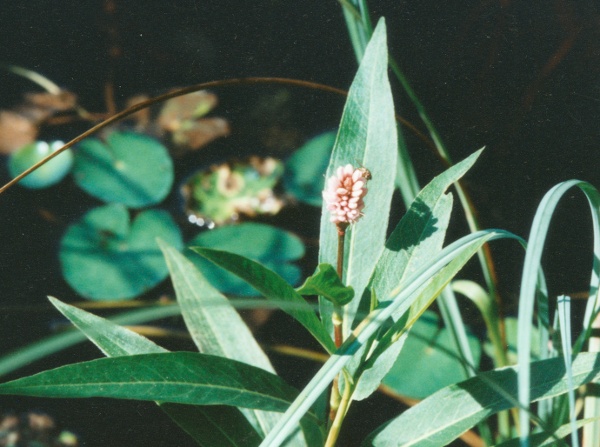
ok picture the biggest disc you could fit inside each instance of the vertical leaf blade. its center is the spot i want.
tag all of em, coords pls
(367, 135)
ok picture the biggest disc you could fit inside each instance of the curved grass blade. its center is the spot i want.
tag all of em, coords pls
(216, 327)
(273, 287)
(370, 325)
(178, 377)
(367, 134)
(529, 283)
(443, 416)
(564, 318)
(209, 426)
(56, 343)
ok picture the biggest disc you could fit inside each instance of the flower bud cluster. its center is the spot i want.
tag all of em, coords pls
(344, 194)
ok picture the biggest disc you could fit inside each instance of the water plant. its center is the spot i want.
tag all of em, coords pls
(374, 288)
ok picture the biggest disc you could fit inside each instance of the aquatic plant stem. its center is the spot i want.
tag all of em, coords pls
(337, 318)
(344, 404)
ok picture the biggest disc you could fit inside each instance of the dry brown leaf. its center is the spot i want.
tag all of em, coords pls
(16, 131)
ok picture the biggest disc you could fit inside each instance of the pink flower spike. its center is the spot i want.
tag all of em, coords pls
(344, 194)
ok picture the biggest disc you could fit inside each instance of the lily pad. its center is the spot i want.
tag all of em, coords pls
(305, 169)
(429, 360)
(104, 256)
(47, 175)
(132, 169)
(272, 247)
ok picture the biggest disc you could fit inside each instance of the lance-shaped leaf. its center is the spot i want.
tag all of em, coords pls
(326, 282)
(443, 416)
(216, 327)
(178, 377)
(419, 235)
(210, 426)
(367, 135)
(273, 287)
(463, 248)
(277, 250)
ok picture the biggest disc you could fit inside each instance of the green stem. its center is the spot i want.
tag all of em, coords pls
(342, 410)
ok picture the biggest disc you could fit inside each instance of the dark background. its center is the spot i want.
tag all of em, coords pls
(518, 77)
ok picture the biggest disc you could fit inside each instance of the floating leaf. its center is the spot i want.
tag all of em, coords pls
(429, 360)
(305, 169)
(131, 169)
(47, 175)
(326, 282)
(272, 247)
(104, 257)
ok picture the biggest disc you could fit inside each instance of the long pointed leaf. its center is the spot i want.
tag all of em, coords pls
(443, 416)
(178, 377)
(216, 327)
(210, 426)
(404, 299)
(273, 287)
(367, 134)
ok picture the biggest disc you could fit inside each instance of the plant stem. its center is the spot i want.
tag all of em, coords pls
(344, 404)
(338, 320)
(338, 311)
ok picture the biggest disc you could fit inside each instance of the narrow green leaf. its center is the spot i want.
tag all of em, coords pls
(373, 323)
(550, 439)
(178, 377)
(273, 287)
(209, 426)
(277, 250)
(367, 135)
(217, 328)
(419, 235)
(533, 290)
(55, 343)
(421, 230)
(443, 416)
(326, 282)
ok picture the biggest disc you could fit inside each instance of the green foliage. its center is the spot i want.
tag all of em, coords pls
(443, 416)
(206, 380)
(367, 135)
(305, 170)
(273, 287)
(48, 174)
(380, 303)
(326, 282)
(224, 192)
(272, 247)
(131, 169)
(207, 425)
(104, 256)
